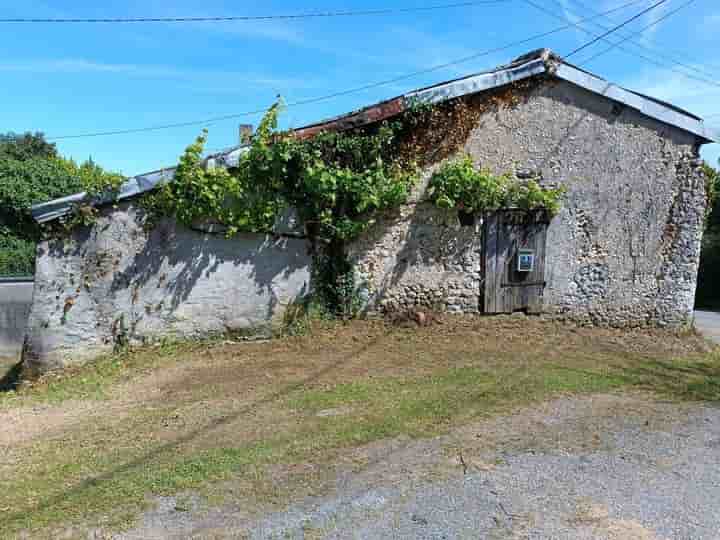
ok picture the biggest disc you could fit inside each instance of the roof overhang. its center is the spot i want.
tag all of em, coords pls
(541, 62)
(132, 187)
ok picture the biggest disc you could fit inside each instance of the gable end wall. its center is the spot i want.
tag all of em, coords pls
(623, 251)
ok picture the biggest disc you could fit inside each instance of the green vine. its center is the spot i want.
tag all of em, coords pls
(96, 182)
(458, 184)
(337, 182)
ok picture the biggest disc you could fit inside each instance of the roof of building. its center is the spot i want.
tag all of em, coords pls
(538, 62)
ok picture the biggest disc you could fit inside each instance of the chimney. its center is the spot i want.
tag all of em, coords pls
(246, 133)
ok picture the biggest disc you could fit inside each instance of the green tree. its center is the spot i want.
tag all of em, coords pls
(26, 146)
(31, 172)
(712, 176)
(708, 291)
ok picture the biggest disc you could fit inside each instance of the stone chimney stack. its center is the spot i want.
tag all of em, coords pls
(246, 133)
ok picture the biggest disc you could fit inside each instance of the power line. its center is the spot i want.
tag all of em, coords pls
(348, 91)
(615, 28)
(316, 15)
(648, 59)
(678, 54)
(639, 32)
(664, 54)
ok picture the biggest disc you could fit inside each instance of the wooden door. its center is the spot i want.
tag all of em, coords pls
(514, 261)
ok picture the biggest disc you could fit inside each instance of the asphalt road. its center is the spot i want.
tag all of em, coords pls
(708, 323)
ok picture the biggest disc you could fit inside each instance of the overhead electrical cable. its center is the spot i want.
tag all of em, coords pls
(616, 28)
(236, 18)
(705, 70)
(578, 25)
(639, 32)
(675, 56)
(341, 93)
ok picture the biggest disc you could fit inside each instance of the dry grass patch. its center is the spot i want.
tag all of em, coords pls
(195, 417)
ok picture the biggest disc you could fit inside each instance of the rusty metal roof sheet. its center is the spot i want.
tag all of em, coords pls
(532, 64)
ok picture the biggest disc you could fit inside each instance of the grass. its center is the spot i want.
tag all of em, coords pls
(239, 410)
(95, 380)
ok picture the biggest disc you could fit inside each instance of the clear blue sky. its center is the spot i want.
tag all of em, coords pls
(68, 79)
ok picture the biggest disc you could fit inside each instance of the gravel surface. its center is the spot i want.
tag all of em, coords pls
(615, 467)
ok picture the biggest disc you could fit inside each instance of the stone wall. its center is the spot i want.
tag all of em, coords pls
(15, 302)
(115, 282)
(624, 250)
(421, 256)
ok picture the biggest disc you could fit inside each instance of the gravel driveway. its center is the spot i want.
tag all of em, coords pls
(611, 466)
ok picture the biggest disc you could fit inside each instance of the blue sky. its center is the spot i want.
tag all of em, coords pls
(68, 79)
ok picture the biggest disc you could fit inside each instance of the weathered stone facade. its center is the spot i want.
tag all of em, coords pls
(117, 283)
(420, 257)
(623, 251)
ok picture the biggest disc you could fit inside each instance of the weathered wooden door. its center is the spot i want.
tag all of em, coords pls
(514, 261)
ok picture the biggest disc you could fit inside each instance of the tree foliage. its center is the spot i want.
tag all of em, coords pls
(26, 146)
(708, 289)
(712, 187)
(30, 173)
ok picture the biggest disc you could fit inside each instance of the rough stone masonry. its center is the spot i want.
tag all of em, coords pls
(623, 251)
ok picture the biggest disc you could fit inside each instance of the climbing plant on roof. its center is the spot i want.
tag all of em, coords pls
(336, 182)
(339, 182)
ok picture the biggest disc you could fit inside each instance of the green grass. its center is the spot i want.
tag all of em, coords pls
(104, 473)
(420, 406)
(95, 381)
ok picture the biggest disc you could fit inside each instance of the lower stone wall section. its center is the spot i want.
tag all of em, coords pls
(116, 283)
(421, 256)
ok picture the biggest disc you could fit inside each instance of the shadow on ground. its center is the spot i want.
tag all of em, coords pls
(10, 375)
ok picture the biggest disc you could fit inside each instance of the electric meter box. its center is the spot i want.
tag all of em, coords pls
(526, 260)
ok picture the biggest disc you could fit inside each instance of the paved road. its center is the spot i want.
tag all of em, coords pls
(605, 467)
(15, 303)
(708, 322)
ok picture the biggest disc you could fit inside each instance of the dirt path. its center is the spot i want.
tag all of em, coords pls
(609, 466)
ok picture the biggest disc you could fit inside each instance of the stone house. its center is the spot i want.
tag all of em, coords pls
(623, 251)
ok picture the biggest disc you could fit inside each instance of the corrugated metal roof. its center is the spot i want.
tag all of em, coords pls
(538, 62)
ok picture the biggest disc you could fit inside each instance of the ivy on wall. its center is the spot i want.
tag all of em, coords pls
(339, 183)
(458, 184)
(336, 182)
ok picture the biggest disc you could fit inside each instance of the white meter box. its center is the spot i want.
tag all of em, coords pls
(526, 260)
